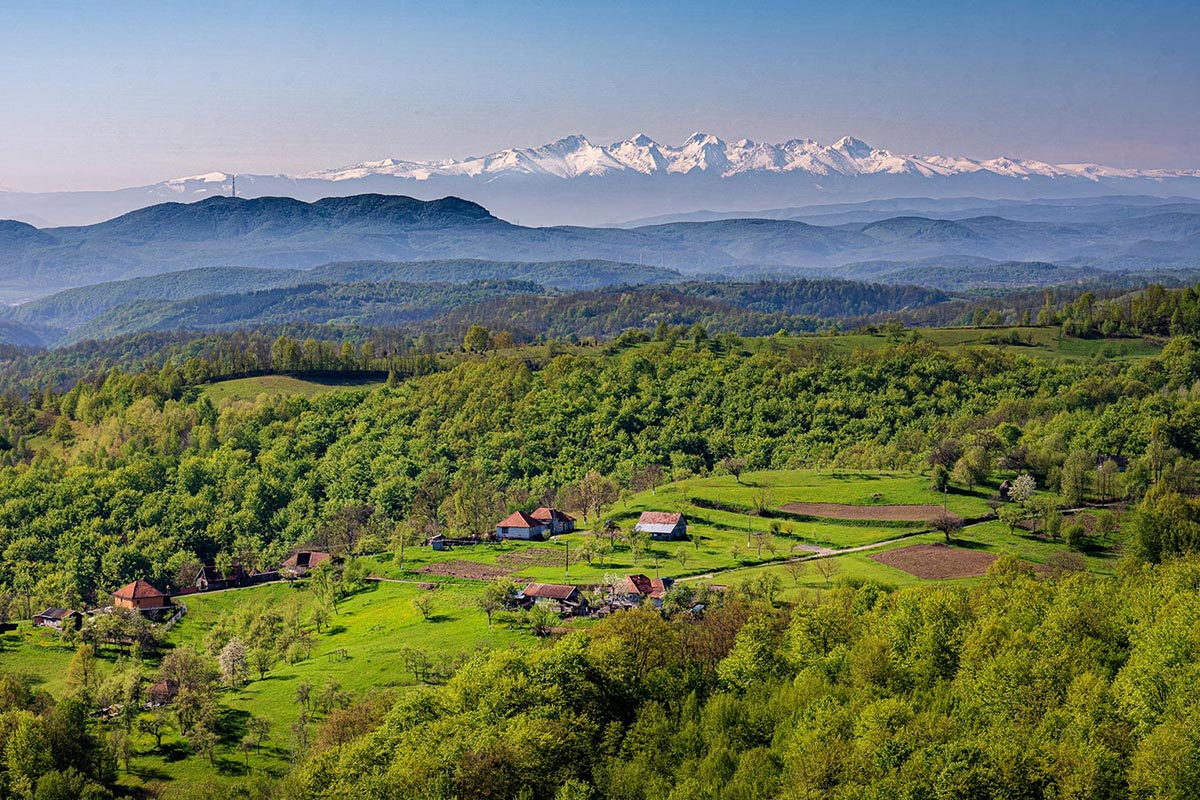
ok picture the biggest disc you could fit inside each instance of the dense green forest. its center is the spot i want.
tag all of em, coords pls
(151, 474)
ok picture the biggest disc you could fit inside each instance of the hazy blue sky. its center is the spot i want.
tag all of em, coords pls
(106, 94)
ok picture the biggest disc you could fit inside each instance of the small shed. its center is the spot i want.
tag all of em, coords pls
(210, 578)
(162, 693)
(59, 619)
(567, 599)
(662, 525)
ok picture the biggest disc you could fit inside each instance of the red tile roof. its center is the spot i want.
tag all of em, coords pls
(546, 514)
(306, 558)
(137, 589)
(519, 519)
(644, 586)
(550, 591)
(659, 518)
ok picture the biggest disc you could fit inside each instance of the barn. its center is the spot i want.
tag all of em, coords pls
(662, 525)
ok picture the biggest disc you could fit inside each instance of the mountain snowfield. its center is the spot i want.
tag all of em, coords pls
(574, 181)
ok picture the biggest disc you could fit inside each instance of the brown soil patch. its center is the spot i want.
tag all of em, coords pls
(532, 557)
(470, 570)
(883, 513)
(937, 561)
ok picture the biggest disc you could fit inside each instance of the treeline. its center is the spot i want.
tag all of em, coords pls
(1154, 311)
(1067, 686)
(1148, 310)
(153, 476)
(199, 358)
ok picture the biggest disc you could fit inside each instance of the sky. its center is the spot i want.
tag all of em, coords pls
(100, 95)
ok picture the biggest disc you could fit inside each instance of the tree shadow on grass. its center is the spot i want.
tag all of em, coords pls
(150, 773)
(227, 765)
(335, 630)
(439, 618)
(175, 751)
(965, 544)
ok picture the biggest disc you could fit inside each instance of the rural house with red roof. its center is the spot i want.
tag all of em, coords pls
(140, 596)
(662, 525)
(633, 590)
(558, 521)
(298, 564)
(519, 525)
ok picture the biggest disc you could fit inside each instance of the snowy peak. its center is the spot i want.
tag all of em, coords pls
(702, 153)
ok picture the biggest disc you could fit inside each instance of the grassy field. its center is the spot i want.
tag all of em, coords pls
(723, 541)
(250, 388)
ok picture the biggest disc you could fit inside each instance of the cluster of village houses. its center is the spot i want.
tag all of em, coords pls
(142, 597)
(569, 600)
(543, 522)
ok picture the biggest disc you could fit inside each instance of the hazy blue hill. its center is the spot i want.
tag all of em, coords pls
(898, 229)
(282, 233)
(71, 308)
(19, 234)
(388, 304)
(578, 274)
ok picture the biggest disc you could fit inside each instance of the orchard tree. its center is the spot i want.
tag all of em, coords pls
(1022, 489)
(232, 662)
(946, 524)
(477, 339)
(496, 596)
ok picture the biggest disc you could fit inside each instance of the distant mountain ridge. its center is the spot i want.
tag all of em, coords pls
(574, 181)
(284, 233)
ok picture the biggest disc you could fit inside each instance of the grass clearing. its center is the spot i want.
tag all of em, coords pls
(250, 388)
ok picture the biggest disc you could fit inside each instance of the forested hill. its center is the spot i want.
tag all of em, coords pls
(264, 477)
(525, 308)
(71, 308)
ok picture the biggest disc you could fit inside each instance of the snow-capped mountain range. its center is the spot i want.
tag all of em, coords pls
(575, 157)
(573, 181)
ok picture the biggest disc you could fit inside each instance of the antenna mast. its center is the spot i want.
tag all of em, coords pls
(234, 184)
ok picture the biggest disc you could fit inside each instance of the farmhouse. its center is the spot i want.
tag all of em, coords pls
(210, 578)
(558, 521)
(519, 525)
(633, 590)
(567, 599)
(58, 618)
(662, 525)
(140, 596)
(298, 564)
